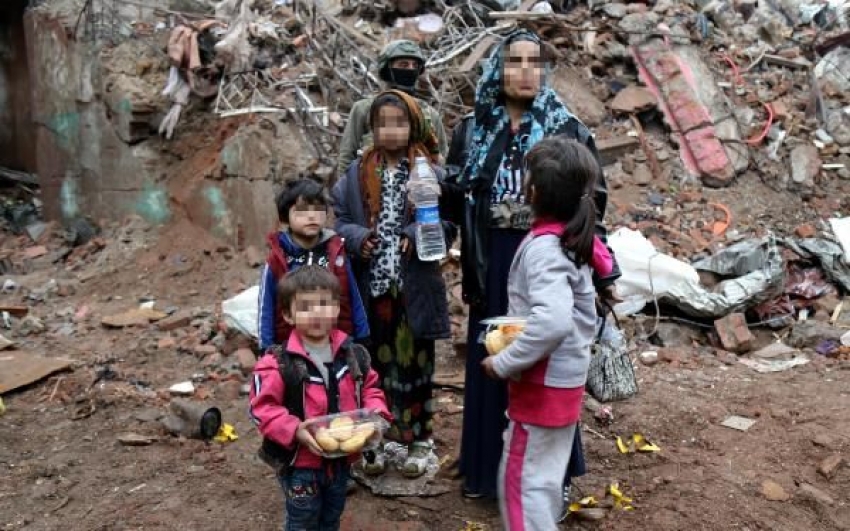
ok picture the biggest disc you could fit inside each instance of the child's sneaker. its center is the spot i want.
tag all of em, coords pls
(416, 463)
(565, 512)
(375, 462)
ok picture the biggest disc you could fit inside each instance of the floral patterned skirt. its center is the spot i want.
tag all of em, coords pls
(405, 367)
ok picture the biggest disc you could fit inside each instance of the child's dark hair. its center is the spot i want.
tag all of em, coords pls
(300, 191)
(304, 279)
(387, 98)
(564, 175)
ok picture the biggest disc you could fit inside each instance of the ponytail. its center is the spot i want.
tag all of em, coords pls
(562, 176)
(577, 239)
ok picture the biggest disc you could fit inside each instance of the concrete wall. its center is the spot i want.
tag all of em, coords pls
(17, 146)
(88, 164)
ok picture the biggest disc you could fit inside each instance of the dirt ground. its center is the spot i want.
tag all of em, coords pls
(64, 468)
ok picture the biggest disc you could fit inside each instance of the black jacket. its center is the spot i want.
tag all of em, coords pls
(424, 287)
(474, 219)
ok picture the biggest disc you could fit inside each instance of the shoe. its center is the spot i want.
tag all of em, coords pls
(416, 463)
(375, 462)
(470, 495)
(565, 512)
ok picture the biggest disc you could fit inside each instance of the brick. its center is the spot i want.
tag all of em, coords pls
(202, 351)
(166, 343)
(806, 230)
(829, 466)
(246, 360)
(175, 321)
(35, 252)
(735, 335)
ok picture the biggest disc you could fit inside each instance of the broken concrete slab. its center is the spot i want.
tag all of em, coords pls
(571, 85)
(19, 368)
(805, 164)
(695, 108)
(135, 317)
(633, 99)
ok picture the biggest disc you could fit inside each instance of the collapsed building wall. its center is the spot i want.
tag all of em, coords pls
(95, 115)
(16, 134)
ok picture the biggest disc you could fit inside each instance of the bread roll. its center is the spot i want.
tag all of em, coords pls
(365, 430)
(328, 443)
(494, 341)
(341, 428)
(353, 445)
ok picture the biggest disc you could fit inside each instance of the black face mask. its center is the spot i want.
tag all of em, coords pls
(404, 78)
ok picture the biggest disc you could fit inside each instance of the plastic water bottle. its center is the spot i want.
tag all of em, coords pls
(424, 193)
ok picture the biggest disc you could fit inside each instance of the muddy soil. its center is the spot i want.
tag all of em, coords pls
(63, 466)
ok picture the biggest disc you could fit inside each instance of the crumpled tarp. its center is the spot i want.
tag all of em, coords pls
(753, 270)
(829, 256)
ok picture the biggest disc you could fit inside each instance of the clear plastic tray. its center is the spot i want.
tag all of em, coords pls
(501, 332)
(347, 433)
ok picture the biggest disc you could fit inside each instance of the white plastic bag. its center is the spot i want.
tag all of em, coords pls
(241, 312)
(647, 274)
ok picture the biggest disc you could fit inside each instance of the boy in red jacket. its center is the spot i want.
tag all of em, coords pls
(318, 372)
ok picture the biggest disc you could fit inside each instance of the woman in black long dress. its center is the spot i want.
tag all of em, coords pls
(514, 109)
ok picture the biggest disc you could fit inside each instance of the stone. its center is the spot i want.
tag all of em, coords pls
(202, 351)
(832, 70)
(572, 86)
(135, 439)
(773, 491)
(177, 320)
(31, 325)
(246, 360)
(639, 22)
(735, 335)
(829, 466)
(670, 355)
(254, 257)
(809, 334)
(134, 317)
(182, 389)
(816, 494)
(838, 126)
(35, 252)
(166, 343)
(649, 358)
(823, 440)
(805, 164)
(615, 10)
(229, 390)
(775, 350)
(633, 99)
(676, 335)
(806, 230)
(642, 175)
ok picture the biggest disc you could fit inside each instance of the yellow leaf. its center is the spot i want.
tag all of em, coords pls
(622, 446)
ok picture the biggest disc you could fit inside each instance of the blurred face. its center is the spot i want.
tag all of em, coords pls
(307, 220)
(523, 70)
(392, 132)
(314, 314)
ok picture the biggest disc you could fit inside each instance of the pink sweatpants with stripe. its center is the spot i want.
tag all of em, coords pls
(531, 476)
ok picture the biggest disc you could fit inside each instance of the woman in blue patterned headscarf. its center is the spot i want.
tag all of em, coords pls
(514, 109)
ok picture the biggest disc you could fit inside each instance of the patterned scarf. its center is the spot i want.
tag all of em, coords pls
(547, 115)
(423, 142)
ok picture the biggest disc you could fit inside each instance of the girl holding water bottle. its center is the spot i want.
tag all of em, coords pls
(400, 281)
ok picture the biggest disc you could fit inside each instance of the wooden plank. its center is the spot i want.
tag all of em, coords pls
(19, 368)
(485, 44)
(15, 311)
(611, 149)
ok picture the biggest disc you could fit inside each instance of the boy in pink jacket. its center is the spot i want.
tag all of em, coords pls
(319, 372)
